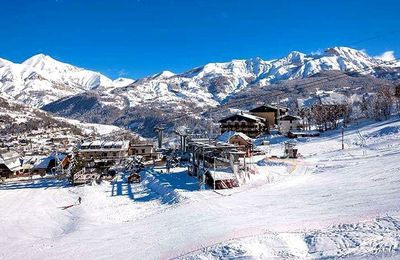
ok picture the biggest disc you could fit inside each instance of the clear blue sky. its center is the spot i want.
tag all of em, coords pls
(139, 38)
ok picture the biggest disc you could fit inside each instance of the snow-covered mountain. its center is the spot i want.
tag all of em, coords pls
(41, 79)
(167, 97)
(215, 83)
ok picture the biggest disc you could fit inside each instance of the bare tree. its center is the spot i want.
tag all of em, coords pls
(382, 103)
(397, 97)
(365, 106)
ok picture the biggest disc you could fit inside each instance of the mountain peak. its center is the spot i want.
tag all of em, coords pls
(36, 58)
(45, 62)
(296, 57)
(256, 59)
(164, 74)
(346, 52)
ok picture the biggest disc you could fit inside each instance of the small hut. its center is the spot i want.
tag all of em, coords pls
(290, 150)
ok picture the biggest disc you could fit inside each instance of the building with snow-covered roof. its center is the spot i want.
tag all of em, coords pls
(242, 141)
(269, 113)
(10, 163)
(250, 125)
(103, 149)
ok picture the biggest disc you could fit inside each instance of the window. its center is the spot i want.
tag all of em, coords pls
(143, 150)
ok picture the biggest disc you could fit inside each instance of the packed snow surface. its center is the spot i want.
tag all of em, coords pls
(329, 203)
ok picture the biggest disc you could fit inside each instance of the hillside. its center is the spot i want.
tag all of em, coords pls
(186, 98)
(166, 97)
(144, 117)
(328, 204)
(41, 79)
(18, 120)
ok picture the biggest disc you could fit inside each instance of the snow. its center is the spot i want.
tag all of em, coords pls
(122, 82)
(328, 203)
(224, 137)
(89, 128)
(41, 79)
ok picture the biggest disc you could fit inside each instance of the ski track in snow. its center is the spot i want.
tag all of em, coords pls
(330, 203)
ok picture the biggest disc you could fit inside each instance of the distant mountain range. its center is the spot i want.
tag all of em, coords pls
(42, 81)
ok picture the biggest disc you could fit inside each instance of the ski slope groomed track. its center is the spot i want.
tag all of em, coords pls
(330, 203)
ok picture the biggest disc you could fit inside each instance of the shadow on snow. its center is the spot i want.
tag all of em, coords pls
(35, 184)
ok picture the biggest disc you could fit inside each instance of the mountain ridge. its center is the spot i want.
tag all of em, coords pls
(212, 83)
(135, 103)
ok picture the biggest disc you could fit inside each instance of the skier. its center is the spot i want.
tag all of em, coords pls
(80, 200)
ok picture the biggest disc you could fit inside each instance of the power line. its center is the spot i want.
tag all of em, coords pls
(374, 37)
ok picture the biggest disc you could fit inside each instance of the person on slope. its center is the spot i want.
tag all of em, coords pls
(80, 200)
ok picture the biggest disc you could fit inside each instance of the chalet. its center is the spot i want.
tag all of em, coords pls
(269, 113)
(288, 123)
(45, 164)
(10, 163)
(242, 141)
(250, 125)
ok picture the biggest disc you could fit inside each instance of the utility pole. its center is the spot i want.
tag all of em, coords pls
(214, 175)
(342, 137)
(159, 130)
(278, 113)
(210, 130)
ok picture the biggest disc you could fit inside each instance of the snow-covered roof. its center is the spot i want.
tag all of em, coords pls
(222, 174)
(42, 163)
(10, 155)
(268, 108)
(104, 145)
(242, 135)
(225, 136)
(243, 116)
(289, 117)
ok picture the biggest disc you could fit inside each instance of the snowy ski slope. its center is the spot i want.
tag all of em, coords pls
(330, 203)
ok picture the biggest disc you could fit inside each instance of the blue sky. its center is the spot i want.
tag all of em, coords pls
(143, 37)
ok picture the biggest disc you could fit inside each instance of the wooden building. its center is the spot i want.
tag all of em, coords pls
(269, 113)
(10, 164)
(242, 141)
(250, 125)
